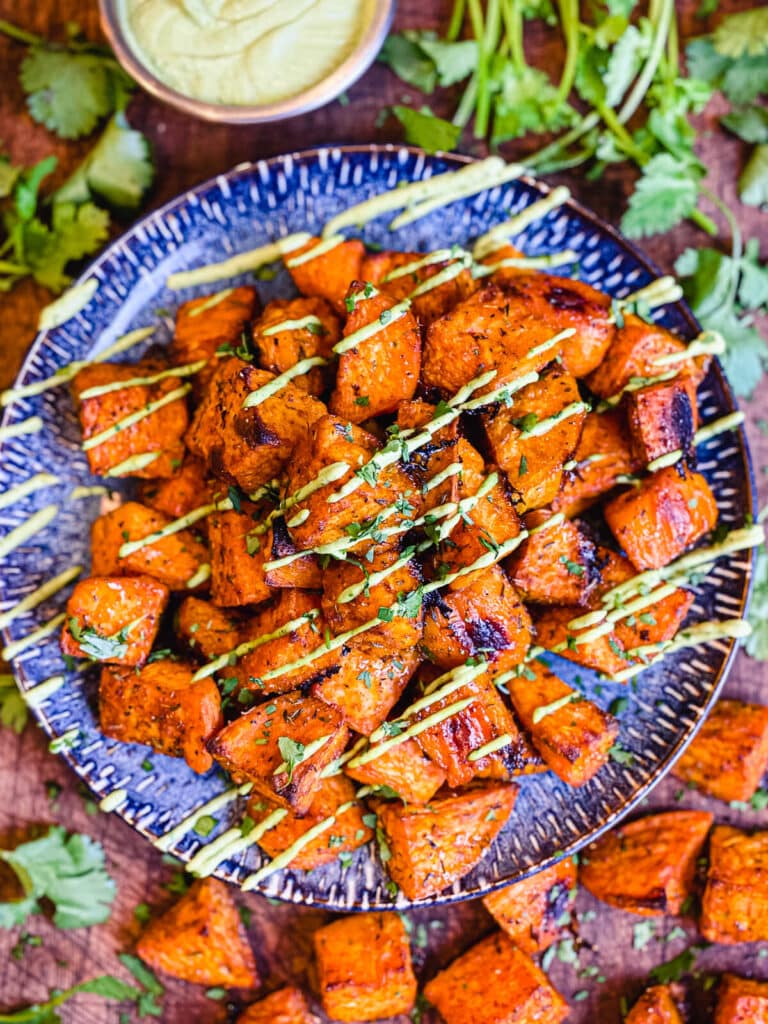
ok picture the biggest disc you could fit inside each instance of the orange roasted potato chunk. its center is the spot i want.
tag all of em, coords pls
(434, 845)
(328, 274)
(434, 458)
(656, 1005)
(531, 911)
(364, 967)
(209, 323)
(602, 458)
(162, 707)
(388, 271)
(662, 419)
(405, 769)
(289, 772)
(291, 330)
(667, 513)
(200, 939)
(741, 1001)
(348, 833)
(114, 619)
(186, 490)
(205, 629)
(380, 371)
(160, 431)
(237, 563)
(557, 565)
(174, 560)
(573, 735)
(494, 982)
(554, 633)
(249, 447)
(729, 754)
(734, 907)
(299, 573)
(648, 865)
(286, 1006)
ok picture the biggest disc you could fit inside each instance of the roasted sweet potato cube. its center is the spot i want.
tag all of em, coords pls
(209, 323)
(237, 566)
(114, 619)
(485, 616)
(406, 769)
(291, 330)
(729, 754)
(434, 459)
(364, 967)
(385, 270)
(249, 447)
(741, 1001)
(662, 418)
(348, 833)
(175, 560)
(300, 573)
(160, 431)
(558, 565)
(648, 865)
(313, 735)
(433, 846)
(603, 654)
(656, 1005)
(290, 606)
(531, 911)
(381, 371)
(734, 907)
(494, 982)
(163, 708)
(602, 458)
(205, 629)
(572, 734)
(175, 496)
(328, 274)
(532, 438)
(286, 1006)
(200, 939)
(667, 513)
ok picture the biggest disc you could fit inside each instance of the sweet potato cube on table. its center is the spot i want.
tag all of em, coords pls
(175, 496)
(662, 418)
(286, 1006)
(656, 1005)
(281, 350)
(533, 462)
(529, 911)
(114, 619)
(209, 323)
(406, 769)
(494, 982)
(161, 431)
(249, 447)
(364, 967)
(435, 845)
(655, 522)
(378, 266)
(558, 565)
(574, 738)
(347, 834)
(381, 371)
(729, 754)
(163, 708)
(734, 907)
(250, 748)
(328, 274)
(200, 939)
(237, 564)
(205, 629)
(648, 865)
(174, 560)
(741, 1001)
(301, 573)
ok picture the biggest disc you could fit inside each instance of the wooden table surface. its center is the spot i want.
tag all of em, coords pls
(187, 152)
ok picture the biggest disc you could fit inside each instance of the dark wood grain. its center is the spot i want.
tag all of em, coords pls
(187, 152)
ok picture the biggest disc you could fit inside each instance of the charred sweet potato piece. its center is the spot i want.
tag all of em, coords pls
(364, 967)
(187, 489)
(532, 438)
(162, 707)
(529, 911)
(173, 560)
(667, 513)
(281, 343)
(741, 1001)
(573, 737)
(434, 845)
(237, 566)
(249, 447)
(648, 865)
(285, 648)
(161, 431)
(200, 939)
(434, 458)
(328, 274)
(206, 629)
(734, 907)
(250, 747)
(729, 754)
(662, 418)
(485, 616)
(209, 323)
(348, 833)
(379, 268)
(494, 982)
(300, 573)
(603, 654)
(602, 456)
(286, 1006)
(559, 565)
(114, 619)
(406, 769)
(655, 1006)
(381, 371)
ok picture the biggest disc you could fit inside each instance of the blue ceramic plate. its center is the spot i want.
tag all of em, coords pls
(253, 204)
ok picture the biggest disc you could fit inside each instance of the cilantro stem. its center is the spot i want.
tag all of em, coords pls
(737, 242)
(456, 23)
(21, 36)
(661, 21)
(586, 124)
(569, 16)
(487, 33)
(622, 136)
(513, 26)
(467, 103)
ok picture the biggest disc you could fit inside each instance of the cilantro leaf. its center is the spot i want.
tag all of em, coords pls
(527, 102)
(8, 176)
(753, 183)
(756, 645)
(13, 707)
(453, 61)
(117, 170)
(746, 355)
(743, 33)
(675, 968)
(292, 753)
(749, 123)
(423, 129)
(405, 57)
(625, 61)
(664, 195)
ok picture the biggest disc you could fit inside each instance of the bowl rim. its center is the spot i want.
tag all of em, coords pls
(325, 91)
